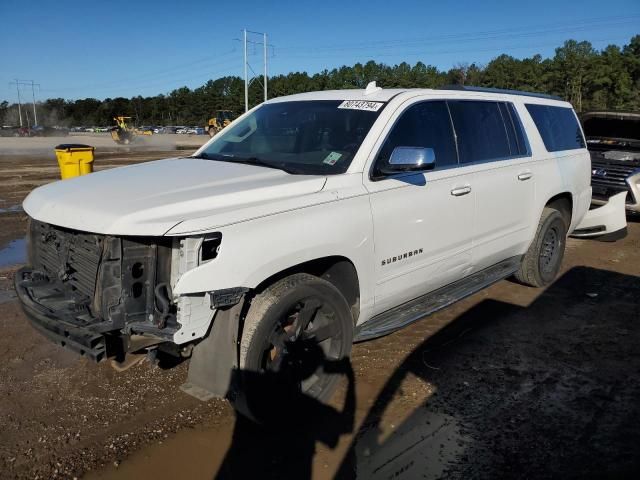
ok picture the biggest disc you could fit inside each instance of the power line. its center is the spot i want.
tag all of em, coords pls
(167, 79)
(425, 52)
(179, 69)
(475, 36)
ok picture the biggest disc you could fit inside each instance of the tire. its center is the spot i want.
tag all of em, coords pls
(542, 261)
(212, 131)
(301, 323)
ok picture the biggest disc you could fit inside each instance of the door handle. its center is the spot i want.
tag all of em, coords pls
(458, 192)
(525, 176)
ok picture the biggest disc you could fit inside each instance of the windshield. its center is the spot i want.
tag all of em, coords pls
(304, 137)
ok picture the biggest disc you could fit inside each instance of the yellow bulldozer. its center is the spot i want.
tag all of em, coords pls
(122, 134)
(217, 123)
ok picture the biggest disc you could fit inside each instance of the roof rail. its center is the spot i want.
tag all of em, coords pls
(469, 88)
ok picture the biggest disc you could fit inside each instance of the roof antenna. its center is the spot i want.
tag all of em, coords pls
(371, 88)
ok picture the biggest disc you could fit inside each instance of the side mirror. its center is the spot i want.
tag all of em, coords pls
(412, 158)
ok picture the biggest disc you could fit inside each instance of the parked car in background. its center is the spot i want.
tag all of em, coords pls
(613, 139)
(9, 131)
(41, 131)
(196, 131)
(182, 130)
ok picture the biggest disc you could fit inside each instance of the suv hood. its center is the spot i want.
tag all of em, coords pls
(152, 198)
(613, 132)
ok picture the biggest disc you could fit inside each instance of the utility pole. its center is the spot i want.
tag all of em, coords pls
(19, 102)
(246, 74)
(33, 95)
(247, 67)
(23, 83)
(264, 43)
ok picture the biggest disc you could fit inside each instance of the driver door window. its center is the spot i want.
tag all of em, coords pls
(425, 125)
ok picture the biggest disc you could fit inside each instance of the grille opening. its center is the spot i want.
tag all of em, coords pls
(136, 290)
(98, 281)
(137, 270)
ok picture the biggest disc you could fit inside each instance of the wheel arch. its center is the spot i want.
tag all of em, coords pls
(336, 269)
(564, 203)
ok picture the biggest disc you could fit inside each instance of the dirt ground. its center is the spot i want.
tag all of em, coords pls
(512, 382)
(101, 141)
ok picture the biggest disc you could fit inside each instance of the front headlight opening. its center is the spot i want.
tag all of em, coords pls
(210, 247)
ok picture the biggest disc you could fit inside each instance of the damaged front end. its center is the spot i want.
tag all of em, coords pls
(613, 139)
(98, 295)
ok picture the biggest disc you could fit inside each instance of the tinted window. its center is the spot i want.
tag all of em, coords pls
(509, 129)
(523, 144)
(422, 125)
(480, 131)
(558, 127)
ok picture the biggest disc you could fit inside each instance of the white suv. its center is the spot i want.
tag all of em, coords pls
(316, 219)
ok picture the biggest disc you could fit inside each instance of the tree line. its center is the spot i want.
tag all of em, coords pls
(588, 78)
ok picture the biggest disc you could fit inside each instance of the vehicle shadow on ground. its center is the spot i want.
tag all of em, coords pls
(550, 390)
(277, 426)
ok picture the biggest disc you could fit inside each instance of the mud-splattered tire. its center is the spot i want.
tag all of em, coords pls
(542, 261)
(298, 308)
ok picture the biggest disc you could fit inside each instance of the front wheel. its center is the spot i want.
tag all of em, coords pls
(298, 331)
(542, 261)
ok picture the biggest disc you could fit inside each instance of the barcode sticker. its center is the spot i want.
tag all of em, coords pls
(361, 105)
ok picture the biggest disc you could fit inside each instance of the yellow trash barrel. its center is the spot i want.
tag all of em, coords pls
(74, 159)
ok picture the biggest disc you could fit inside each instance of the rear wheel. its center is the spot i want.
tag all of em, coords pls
(296, 328)
(542, 261)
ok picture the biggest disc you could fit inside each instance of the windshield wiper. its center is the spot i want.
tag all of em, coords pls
(246, 160)
(262, 163)
(203, 155)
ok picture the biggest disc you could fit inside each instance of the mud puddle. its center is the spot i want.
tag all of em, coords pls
(11, 209)
(15, 253)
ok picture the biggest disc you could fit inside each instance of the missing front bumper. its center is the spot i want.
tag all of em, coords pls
(81, 340)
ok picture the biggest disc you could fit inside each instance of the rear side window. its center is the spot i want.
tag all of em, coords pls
(558, 127)
(480, 130)
(425, 125)
(517, 141)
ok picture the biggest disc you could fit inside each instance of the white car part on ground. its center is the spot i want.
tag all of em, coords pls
(608, 220)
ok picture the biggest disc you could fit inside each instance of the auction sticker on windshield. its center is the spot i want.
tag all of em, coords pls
(332, 158)
(361, 105)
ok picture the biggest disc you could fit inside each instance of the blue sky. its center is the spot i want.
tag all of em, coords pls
(78, 49)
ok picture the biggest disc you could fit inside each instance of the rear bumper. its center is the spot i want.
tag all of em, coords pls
(81, 340)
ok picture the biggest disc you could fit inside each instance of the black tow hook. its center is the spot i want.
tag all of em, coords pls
(163, 296)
